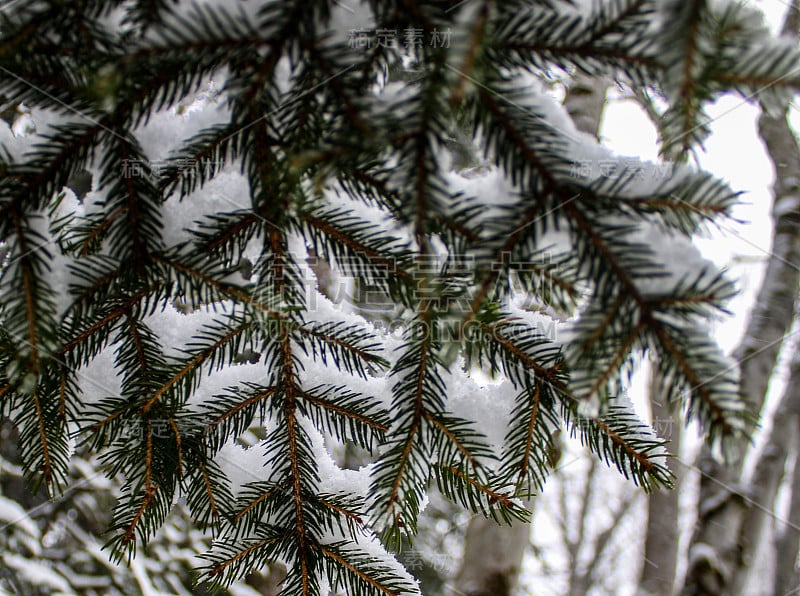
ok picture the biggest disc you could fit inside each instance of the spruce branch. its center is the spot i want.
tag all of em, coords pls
(309, 146)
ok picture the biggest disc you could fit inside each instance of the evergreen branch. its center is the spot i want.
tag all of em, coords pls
(494, 273)
(355, 242)
(331, 72)
(98, 426)
(149, 488)
(237, 227)
(526, 454)
(503, 499)
(94, 233)
(516, 136)
(324, 403)
(178, 445)
(402, 471)
(47, 465)
(129, 536)
(30, 300)
(685, 201)
(136, 232)
(605, 40)
(617, 436)
(201, 159)
(62, 398)
(290, 406)
(686, 90)
(110, 272)
(361, 575)
(241, 555)
(258, 502)
(614, 21)
(761, 82)
(451, 437)
(617, 360)
(215, 514)
(611, 314)
(346, 346)
(137, 342)
(719, 417)
(208, 495)
(367, 184)
(475, 39)
(221, 287)
(660, 204)
(477, 495)
(705, 294)
(254, 399)
(419, 411)
(191, 366)
(299, 103)
(27, 320)
(351, 516)
(458, 228)
(622, 60)
(494, 332)
(155, 76)
(57, 157)
(341, 413)
(107, 319)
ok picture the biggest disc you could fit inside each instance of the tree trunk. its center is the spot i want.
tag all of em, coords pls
(787, 579)
(663, 531)
(717, 549)
(493, 553)
(492, 558)
(756, 536)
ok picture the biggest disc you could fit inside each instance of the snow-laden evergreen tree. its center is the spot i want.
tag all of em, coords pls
(196, 166)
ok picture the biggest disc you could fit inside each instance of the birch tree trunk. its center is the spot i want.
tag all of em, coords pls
(787, 578)
(663, 531)
(493, 553)
(718, 546)
(757, 536)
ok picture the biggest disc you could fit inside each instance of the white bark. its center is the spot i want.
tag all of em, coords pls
(756, 536)
(787, 577)
(492, 558)
(663, 532)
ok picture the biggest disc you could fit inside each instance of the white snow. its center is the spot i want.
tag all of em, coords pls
(487, 402)
(165, 131)
(12, 514)
(37, 573)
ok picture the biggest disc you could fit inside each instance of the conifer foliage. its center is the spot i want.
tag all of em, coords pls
(193, 161)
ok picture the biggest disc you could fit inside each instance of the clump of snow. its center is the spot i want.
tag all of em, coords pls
(488, 403)
(227, 191)
(334, 479)
(29, 127)
(489, 185)
(681, 259)
(37, 573)
(348, 18)
(13, 514)
(99, 378)
(242, 466)
(167, 129)
(544, 323)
